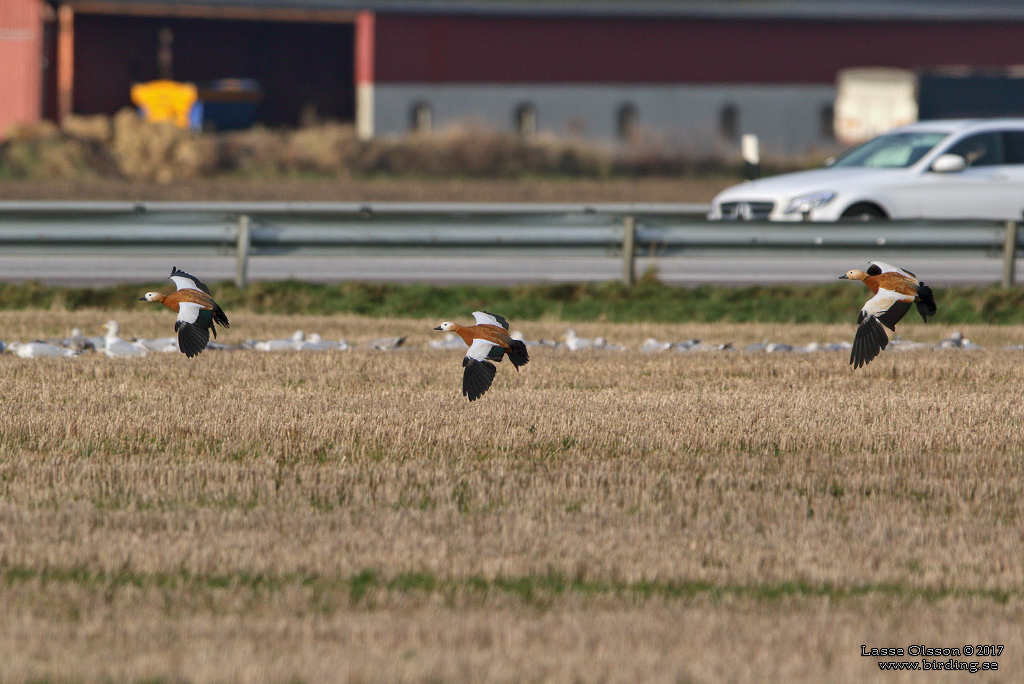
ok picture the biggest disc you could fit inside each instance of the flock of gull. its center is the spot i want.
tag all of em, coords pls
(895, 291)
(113, 346)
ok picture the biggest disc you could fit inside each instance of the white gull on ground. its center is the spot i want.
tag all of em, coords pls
(281, 345)
(159, 344)
(79, 342)
(651, 346)
(449, 341)
(315, 342)
(956, 340)
(115, 347)
(386, 343)
(34, 350)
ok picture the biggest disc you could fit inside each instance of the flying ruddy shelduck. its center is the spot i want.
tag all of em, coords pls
(895, 290)
(197, 312)
(488, 340)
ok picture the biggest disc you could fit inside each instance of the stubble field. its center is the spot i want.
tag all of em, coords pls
(599, 516)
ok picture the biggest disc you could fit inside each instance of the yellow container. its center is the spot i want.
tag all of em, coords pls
(166, 101)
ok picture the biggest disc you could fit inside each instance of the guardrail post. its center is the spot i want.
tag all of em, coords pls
(629, 251)
(242, 258)
(1010, 255)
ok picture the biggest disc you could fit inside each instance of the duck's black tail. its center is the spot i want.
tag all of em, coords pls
(219, 316)
(517, 353)
(925, 301)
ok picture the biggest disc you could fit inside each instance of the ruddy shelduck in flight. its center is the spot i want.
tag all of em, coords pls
(895, 290)
(488, 340)
(197, 312)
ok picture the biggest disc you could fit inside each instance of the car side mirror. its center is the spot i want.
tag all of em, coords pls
(949, 163)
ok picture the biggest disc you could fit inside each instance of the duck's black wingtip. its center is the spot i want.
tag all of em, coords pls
(869, 341)
(926, 302)
(477, 377)
(192, 338)
(517, 353)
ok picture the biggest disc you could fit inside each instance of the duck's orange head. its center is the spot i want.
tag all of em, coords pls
(854, 275)
(152, 297)
(447, 326)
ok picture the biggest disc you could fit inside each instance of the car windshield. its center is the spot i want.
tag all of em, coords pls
(893, 151)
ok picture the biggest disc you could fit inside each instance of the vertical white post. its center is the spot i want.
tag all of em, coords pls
(242, 258)
(751, 153)
(365, 55)
(1010, 255)
(629, 251)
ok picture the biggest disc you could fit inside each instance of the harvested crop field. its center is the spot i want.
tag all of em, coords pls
(598, 516)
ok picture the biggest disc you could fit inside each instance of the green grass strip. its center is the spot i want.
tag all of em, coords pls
(650, 301)
(532, 588)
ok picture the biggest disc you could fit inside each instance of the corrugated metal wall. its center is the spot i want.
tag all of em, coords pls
(481, 49)
(21, 32)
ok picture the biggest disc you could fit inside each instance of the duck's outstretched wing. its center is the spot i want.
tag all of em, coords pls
(880, 267)
(885, 308)
(193, 328)
(184, 281)
(479, 371)
(484, 318)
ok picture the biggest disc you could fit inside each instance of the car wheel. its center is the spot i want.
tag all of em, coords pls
(864, 212)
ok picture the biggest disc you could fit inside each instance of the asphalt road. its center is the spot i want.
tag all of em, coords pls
(723, 270)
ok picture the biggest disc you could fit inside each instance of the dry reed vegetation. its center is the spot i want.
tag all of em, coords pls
(127, 147)
(597, 516)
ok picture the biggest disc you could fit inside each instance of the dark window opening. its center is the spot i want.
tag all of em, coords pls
(729, 122)
(421, 118)
(828, 122)
(1013, 147)
(626, 123)
(526, 120)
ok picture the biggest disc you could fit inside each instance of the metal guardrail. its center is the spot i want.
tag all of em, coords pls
(266, 228)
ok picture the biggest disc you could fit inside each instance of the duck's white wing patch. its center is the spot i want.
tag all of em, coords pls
(188, 312)
(480, 350)
(186, 281)
(889, 268)
(885, 268)
(884, 300)
(484, 318)
(888, 307)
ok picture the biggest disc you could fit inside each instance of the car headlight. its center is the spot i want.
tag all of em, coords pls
(806, 203)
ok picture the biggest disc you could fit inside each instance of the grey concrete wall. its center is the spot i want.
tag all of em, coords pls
(787, 118)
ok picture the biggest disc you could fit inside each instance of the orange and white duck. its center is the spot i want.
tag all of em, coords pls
(198, 314)
(895, 290)
(489, 340)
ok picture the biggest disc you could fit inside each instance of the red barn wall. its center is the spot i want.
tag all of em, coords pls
(467, 49)
(21, 35)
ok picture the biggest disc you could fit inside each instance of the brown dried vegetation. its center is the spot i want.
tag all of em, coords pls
(597, 516)
(124, 146)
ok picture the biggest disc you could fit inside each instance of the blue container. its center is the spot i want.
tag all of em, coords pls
(230, 103)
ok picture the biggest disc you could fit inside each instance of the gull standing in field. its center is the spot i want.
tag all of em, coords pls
(316, 342)
(895, 289)
(488, 340)
(115, 347)
(197, 313)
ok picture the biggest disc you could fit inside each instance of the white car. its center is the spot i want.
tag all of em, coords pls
(928, 170)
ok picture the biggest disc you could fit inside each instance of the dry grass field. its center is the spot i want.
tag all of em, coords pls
(387, 189)
(599, 516)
